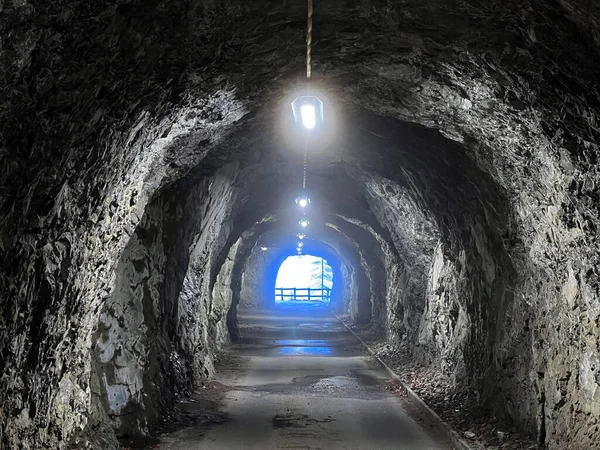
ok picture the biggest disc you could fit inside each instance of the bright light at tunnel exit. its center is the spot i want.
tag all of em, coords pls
(301, 272)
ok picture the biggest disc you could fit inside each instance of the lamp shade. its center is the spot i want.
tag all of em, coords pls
(308, 111)
(303, 201)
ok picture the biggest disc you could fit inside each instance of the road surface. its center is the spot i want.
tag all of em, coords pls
(300, 380)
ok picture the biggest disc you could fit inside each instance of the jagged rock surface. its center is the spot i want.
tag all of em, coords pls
(461, 175)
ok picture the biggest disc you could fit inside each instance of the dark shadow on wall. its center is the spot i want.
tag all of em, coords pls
(131, 344)
(149, 348)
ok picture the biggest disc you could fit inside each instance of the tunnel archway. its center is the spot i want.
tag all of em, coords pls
(142, 158)
(255, 270)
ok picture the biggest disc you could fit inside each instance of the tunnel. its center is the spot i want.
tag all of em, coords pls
(151, 161)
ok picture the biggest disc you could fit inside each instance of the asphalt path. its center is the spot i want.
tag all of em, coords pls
(300, 380)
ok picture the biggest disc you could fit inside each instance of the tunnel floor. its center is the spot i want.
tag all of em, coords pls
(299, 379)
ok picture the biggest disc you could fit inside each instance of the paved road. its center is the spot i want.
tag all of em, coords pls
(299, 380)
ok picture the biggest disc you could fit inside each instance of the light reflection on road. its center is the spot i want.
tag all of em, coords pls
(305, 351)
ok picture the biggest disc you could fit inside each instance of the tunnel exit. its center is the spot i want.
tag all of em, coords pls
(304, 278)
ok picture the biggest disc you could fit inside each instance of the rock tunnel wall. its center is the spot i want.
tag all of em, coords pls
(126, 379)
(106, 105)
(256, 275)
(159, 331)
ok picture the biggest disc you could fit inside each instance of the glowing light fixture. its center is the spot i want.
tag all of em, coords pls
(308, 110)
(304, 223)
(264, 249)
(300, 244)
(309, 116)
(301, 236)
(303, 201)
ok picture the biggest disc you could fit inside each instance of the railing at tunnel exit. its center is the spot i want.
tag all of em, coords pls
(303, 294)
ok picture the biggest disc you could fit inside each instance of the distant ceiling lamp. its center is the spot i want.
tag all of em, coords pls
(303, 201)
(300, 244)
(308, 110)
(301, 236)
(264, 249)
(304, 223)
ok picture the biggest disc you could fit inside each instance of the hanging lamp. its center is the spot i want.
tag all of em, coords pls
(308, 109)
(303, 201)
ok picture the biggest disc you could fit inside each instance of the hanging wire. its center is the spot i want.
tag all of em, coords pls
(305, 163)
(309, 29)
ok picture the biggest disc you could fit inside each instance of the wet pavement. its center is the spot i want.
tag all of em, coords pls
(300, 380)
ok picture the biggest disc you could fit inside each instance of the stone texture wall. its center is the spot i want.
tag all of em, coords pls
(105, 106)
(156, 342)
(255, 282)
(127, 382)
(479, 284)
(445, 327)
(204, 297)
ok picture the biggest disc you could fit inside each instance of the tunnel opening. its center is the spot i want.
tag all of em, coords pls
(304, 278)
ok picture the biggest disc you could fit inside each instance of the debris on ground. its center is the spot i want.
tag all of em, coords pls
(458, 407)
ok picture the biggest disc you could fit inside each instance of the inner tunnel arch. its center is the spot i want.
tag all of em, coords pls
(353, 256)
(215, 244)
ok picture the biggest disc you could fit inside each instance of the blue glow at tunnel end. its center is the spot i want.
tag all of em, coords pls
(302, 272)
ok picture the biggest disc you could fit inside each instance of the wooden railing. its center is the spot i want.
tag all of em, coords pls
(302, 294)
